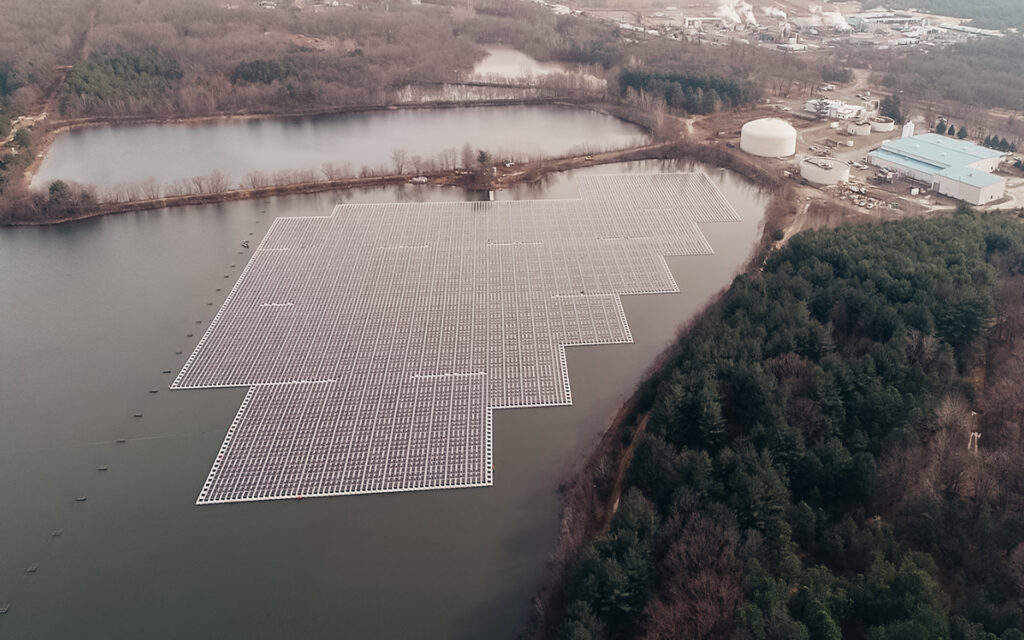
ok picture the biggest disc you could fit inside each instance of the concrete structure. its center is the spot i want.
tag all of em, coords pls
(954, 168)
(837, 109)
(970, 31)
(859, 128)
(881, 124)
(824, 171)
(768, 138)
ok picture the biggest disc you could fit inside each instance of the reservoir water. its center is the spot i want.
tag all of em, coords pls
(92, 313)
(108, 156)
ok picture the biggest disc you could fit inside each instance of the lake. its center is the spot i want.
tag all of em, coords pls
(94, 312)
(108, 156)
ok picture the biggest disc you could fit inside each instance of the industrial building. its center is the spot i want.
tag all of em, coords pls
(954, 168)
(835, 109)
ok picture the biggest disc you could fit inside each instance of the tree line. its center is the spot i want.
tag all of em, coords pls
(691, 93)
(804, 470)
(983, 73)
(119, 76)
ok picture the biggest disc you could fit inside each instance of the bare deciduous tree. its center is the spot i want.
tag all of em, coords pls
(217, 182)
(256, 180)
(398, 157)
(330, 172)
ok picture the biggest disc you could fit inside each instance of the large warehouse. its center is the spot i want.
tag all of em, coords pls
(954, 168)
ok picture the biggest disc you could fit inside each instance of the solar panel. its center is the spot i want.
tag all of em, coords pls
(377, 341)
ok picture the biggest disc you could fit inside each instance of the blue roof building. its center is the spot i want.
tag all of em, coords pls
(952, 167)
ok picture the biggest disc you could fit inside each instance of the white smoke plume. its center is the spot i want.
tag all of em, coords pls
(775, 12)
(736, 12)
(727, 12)
(835, 20)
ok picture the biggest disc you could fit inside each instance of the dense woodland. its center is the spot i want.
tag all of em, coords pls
(181, 57)
(804, 471)
(984, 72)
(36, 39)
(691, 93)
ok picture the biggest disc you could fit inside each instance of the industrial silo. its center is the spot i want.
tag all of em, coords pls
(768, 138)
(824, 171)
(881, 124)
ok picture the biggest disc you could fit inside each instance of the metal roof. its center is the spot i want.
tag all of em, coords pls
(911, 163)
(973, 177)
(941, 151)
(941, 156)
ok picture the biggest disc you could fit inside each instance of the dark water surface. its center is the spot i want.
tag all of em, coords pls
(91, 313)
(107, 156)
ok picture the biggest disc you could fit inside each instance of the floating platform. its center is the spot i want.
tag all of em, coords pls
(377, 341)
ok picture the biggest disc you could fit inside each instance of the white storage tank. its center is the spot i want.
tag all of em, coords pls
(768, 138)
(859, 128)
(881, 124)
(824, 171)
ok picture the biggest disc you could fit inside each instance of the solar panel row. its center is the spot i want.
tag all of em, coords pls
(377, 341)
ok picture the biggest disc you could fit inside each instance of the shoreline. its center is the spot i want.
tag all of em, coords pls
(505, 177)
(54, 128)
(592, 487)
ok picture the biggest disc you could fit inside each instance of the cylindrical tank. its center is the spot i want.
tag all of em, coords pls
(768, 138)
(881, 124)
(824, 171)
(859, 128)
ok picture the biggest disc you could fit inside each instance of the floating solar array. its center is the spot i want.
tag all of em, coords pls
(377, 341)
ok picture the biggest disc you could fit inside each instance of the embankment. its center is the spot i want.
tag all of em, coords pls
(500, 177)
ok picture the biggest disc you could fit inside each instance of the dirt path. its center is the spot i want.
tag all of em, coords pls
(49, 102)
(620, 473)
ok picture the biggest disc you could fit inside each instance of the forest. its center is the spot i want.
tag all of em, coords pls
(149, 58)
(982, 72)
(806, 468)
(691, 93)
